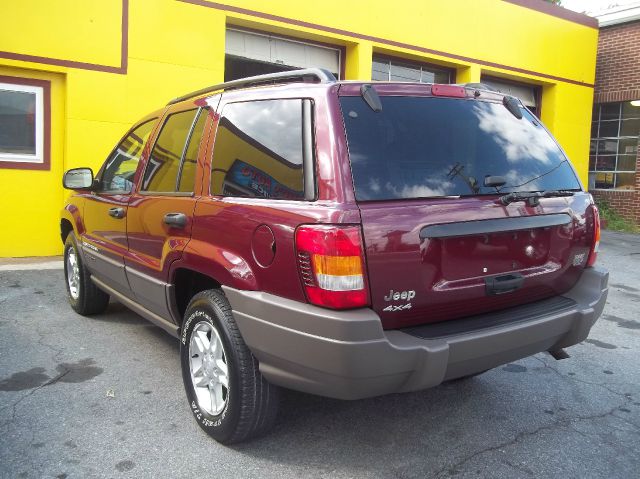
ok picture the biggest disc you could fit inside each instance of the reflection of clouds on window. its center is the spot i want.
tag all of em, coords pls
(517, 139)
(358, 158)
(277, 124)
(416, 191)
(428, 147)
(514, 178)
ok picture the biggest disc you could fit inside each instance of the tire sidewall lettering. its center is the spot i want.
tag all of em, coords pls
(201, 416)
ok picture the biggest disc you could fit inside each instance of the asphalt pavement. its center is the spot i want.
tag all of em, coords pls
(103, 397)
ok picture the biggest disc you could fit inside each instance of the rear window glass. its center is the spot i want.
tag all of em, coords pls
(419, 147)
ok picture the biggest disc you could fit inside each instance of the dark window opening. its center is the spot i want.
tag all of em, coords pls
(238, 67)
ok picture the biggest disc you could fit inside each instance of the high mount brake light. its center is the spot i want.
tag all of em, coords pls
(331, 264)
(595, 245)
(448, 90)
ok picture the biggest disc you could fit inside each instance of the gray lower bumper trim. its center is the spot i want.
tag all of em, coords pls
(347, 354)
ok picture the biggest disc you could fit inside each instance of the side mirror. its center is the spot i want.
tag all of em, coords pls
(78, 179)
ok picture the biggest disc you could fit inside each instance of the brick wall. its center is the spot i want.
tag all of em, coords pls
(618, 79)
(625, 203)
(618, 63)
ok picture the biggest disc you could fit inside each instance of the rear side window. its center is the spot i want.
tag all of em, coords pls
(165, 161)
(419, 147)
(120, 168)
(258, 150)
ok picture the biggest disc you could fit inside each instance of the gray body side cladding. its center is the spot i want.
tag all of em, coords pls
(347, 354)
(165, 324)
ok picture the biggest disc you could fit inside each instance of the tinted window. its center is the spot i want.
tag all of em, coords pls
(258, 150)
(425, 147)
(190, 161)
(164, 161)
(120, 168)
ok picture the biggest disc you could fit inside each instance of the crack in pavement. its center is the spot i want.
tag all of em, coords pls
(566, 422)
(573, 378)
(14, 406)
(626, 396)
(453, 469)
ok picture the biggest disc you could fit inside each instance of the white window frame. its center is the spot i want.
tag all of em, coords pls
(38, 91)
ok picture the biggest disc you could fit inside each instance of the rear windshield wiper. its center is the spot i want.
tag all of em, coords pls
(533, 198)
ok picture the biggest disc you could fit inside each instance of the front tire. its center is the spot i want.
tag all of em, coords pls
(84, 296)
(227, 395)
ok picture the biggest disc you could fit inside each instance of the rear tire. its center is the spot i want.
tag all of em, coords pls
(227, 395)
(84, 296)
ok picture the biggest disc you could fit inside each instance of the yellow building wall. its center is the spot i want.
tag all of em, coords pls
(175, 46)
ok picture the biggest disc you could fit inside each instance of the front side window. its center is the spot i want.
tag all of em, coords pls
(21, 123)
(614, 145)
(420, 147)
(258, 150)
(164, 162)
(391, 69)
(120, 168)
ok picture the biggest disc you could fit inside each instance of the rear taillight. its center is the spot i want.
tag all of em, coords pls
(595, 244)
(331, 264)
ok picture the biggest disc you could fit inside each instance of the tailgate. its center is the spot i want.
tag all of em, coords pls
(427, 262)
(437, 180)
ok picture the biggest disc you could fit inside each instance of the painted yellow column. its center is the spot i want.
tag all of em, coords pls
(566, 112)
(549, 106)
(468, 74)
(359, 61)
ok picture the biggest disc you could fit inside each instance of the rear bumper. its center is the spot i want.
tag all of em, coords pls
(347, 354)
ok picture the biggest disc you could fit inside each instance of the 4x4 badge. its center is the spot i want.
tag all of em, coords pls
(395, 307)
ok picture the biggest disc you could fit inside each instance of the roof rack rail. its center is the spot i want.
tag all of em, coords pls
(318, 75)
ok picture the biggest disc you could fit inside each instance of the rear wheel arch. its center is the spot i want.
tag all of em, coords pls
(187, 283)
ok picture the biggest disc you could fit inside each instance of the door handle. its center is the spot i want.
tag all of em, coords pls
(116, 212)
(505, 283)
(176, 220)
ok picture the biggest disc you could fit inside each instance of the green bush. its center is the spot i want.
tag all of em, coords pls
(613, 220)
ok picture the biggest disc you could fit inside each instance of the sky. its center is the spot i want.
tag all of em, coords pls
(594, 6)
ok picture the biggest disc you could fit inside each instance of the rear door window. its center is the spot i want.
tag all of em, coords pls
(420, 147)
(258, 150)
(166, 159)
(187, 172)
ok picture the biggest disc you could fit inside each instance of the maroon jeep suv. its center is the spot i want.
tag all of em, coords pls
(346, 239)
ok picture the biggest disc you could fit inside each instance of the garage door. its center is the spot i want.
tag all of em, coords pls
(527, 93)
(255, 53)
